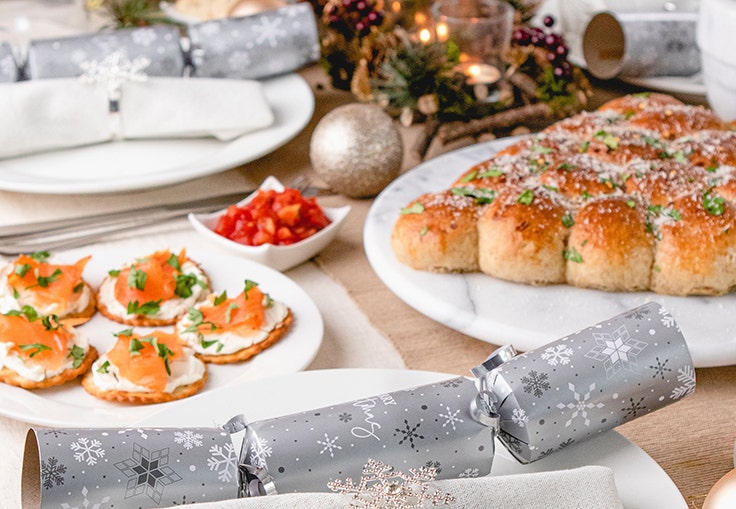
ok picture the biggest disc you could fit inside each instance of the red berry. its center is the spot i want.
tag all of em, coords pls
(549, 21)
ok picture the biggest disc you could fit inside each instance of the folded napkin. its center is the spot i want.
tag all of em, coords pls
(42, 115)
(580, 488)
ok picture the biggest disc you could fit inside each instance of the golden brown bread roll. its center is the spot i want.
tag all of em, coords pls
(639, 195)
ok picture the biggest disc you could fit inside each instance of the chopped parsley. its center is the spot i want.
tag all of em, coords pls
(608, 139)
(423, 231)
(526, 198)
(22, 269)
(631, 203)
(713, 204)
(220, 298)
(493, 172)
(76, 353)
(174, 262)
(567, 220)
(572, 255)
(104, 367)
(34, 349)
(147, 308)
(184, 285)
(28, 311)
(248, 286)
(482, 195)
(137, 279)
(584, 147)
(414, 208)
(45, 281)
(229, 313)
(124, 332)
(51, 322)
(470, 176)
(540, 149)
(114, 272)
(79, 287)
(40, 256)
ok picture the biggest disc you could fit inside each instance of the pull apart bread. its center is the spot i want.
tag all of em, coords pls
(638, 195)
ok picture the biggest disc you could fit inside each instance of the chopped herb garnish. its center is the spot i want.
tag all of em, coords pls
(642, 95)
(414, 208)
(470, 176)
(78, 288)
(482, 195)
(34, 349)
(220, 298)
(526, 198)
(184, 285)
(582, 244)
(137, 279)
(124, 332)
(713, 168)
(228, 315)
(45, 281)
(51, 322)
(423, 231)
(680, 156)
(493, 172)
(631, 203)
(652, 141)
(713, 204)
(248, 286)
(566, 167)
(539, 149)
(550, 188)
(76, 353)
(206, 344)
(40, 256)
(584, 147)
(135, 347)
(147, 308)
(103, 367)
(113, 273)
(165, 353)
(22, 269)
(269, 300)
(567, 220)
(174, 262)
(585, 195)
(29, 312)
(16, 293)
(608, 139)
(572, 255)
(657, 268)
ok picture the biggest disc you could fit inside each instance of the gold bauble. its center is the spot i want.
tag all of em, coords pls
(723, 493)
(357, 149)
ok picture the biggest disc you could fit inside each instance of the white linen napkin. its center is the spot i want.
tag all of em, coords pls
(42, 115)
(581, 488)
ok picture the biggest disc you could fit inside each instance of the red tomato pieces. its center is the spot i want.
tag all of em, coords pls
(272, 218)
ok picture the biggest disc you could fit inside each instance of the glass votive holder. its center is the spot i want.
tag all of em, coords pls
(481, 29)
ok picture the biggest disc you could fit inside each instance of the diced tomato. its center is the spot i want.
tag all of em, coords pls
(272, 218)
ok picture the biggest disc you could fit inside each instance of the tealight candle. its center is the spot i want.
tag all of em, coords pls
(478, 73)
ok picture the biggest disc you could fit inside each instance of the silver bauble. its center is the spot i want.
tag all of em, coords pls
(357, 150)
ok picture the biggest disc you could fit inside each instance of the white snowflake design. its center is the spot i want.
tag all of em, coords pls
(558, 354)
(239, 60)
(87, 451)
(144, 36)
(113, 70)
(580, 404)
(330, 445)
(667, 319)
(7, 66)
(269, 31)
(686, 376)
(469, 472)
(209, 30)
(86, 503)
(451, 418)
(224, 461)
(260, 450)
(519, 417)
(188, 439)
(617, 351)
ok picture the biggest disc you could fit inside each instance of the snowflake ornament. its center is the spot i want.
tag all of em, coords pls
(87, 451)
(224, 461)
(686, 376)
(188, 439)
(114, 70)
(52, 473)
(383, 487)
(559, 354)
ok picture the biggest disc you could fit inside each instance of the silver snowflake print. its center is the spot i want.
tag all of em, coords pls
(469, 472)
(209, 30)
(345, 417)
(260, 451)
(545, 453)
(147, 472)
(409, 433)
(634, 408)
(617, 351)
(436, 465)
(144, 36)
(224, 461)
(519, 417)
(667, 319)
(52, 473)
(268, 31)
(566, 443)
(188, 439)
(87, 451)
(451, 384)
(638, 314)
(451, 418)
(55, 432)
(86, 502)
(558, 354)
(383, 487)
(580, 405)
(114, 70)
(511, 441)
(659, 368)
(239, 60)
(330, 445)
(536, 383)
(686, 376)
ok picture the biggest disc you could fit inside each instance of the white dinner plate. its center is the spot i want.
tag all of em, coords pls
(142, 164)
(71, 405)
(527, 316)
(641, 483)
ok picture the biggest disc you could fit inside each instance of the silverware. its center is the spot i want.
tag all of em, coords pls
(64, 233)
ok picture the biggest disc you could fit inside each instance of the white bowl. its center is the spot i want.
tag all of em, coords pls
(716, 27)
(277, 257)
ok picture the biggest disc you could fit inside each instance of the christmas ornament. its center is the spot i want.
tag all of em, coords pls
(723, 494)
(357, 150)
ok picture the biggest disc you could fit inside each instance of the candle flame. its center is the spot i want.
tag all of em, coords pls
(396, 6)
(474, 70)
(424, 35)
(420, 18)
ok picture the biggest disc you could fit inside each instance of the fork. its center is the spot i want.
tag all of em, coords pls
(77, 231)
